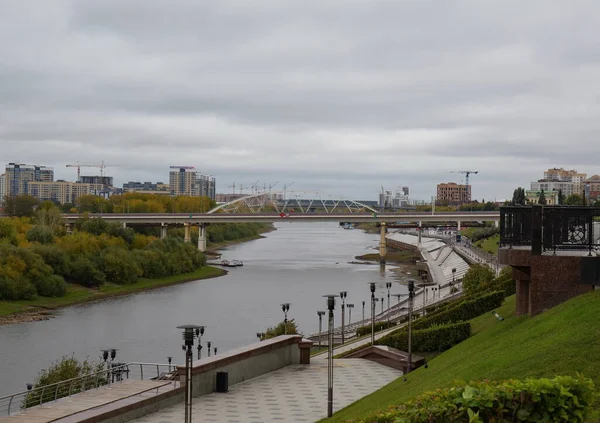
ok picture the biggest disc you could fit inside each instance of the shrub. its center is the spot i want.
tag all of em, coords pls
(281, 328)
(435, 338)
(479, 234)
(51, 286)
(16, 289)
(364, 330)
(561, 399)
(465, 310)
(53, 257)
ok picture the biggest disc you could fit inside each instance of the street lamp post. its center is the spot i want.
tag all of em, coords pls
(331, 308)
(200, 333)
(388, 285)
(106, 354)
(189, 333)
(260, 336)
(350, 307)
(208, 346)
(363, 303)
(285, 308)
(411, 295)
(453, 272)
(372, 285)
(382, 306)
(320, 314)
(343, 296)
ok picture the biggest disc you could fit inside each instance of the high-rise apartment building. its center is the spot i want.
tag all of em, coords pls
(61, 192)
(454, 193)
(2, 189)
(558, 179)
(184, 180)
(157, 188)
(18, 175)
(206, 186)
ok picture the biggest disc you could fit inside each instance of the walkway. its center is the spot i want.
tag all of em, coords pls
(292, 394)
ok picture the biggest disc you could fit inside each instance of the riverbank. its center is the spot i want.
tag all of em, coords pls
(41, 307)
(212, 248)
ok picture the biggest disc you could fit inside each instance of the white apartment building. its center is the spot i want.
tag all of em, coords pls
(2, 189)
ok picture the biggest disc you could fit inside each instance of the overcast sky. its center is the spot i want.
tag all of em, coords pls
(337, 96)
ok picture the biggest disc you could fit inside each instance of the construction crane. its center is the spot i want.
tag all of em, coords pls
(467, 173)
(102, 166)
(232, 186)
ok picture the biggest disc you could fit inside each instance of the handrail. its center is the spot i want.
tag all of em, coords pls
(113, 373)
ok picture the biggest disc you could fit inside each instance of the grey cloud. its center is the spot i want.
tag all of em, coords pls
(340, 95)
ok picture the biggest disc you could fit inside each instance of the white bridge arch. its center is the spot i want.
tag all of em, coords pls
(291, 202)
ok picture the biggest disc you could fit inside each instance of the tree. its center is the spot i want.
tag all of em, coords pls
(542, 200)
(40, 234)
(50, 216)
(279, 329)
(573, 200)
(64, 369)
(478, 278)
(561, 198)
(518, 197)
(21, 205)
(583, 199)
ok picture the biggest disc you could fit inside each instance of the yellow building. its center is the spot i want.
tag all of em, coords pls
(533, 197)
(61, 192)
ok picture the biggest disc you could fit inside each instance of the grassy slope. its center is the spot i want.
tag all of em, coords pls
(78, 294)
(563, 340)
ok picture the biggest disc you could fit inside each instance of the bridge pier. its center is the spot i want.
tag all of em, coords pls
(124, 225)
(202, 237)
(458, 226)
(420, 231)
(496, 223)
(382, 247)
(187, 238)
(163, 230)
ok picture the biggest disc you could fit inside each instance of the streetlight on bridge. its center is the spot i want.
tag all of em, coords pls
(363, 314)
(372, 286)
(388, 285)
(350, 307)
(189, 333)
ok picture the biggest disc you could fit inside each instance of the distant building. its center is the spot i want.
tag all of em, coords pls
(18, 175)
(533, 197)
(2, 189)
(61, 192)
(567, 188)
(385, 199)
(592, 187)
(558, 179)
(454, 193)
(406, 191)
(157, 188)
(184, 180)
(106, 181)
(206, 186)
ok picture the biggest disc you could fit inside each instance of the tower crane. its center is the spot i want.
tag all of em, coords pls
(102, 166)
(467, 173)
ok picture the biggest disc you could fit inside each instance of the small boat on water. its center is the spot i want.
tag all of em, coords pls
(227, 263)
(237, 263)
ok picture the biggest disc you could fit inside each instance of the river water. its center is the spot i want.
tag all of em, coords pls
(297, 263)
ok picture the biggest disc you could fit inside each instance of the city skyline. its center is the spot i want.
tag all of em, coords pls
(338, 97)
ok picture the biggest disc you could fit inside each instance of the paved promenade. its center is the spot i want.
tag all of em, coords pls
(293, 394)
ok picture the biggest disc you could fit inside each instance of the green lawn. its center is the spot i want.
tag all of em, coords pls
(563, 340)
(489, 244)
(78, 294)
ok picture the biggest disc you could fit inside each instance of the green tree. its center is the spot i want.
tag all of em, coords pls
(83, 271)
(40, 234)
(518, 197)
(21, 205)
(280, 329)
(479, 277)
(61, 370)
(8, 232)
(119, 266)
(561, 198)
(50, 216)
(573, 200)
(542, 200)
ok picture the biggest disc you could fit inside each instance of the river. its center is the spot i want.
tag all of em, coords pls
(297, 263)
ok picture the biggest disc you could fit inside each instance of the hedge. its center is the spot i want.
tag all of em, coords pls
(561, 399)
(434, 339)
(465, 310)
(364, 330)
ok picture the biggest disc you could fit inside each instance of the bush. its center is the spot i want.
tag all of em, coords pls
(280, 329)
(51, 286)
(433, 339)
(16, 289)
(64, 369)
(84, 271)
(54, 257)
(364, 330)
(478, 278)
(483, 233)
(40, 234)
(561, 399)
(465, 310)
(119, 266)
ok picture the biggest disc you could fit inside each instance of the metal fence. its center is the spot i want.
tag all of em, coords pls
(111, 374)
(553, 228)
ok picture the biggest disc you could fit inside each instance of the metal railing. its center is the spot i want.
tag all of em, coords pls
(552, 228)
(113, 373)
